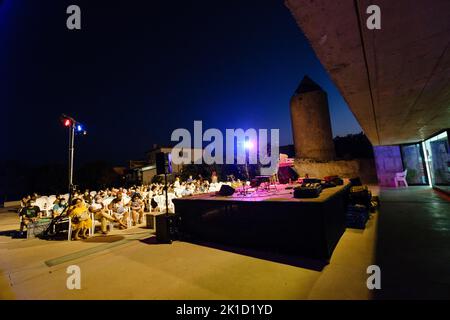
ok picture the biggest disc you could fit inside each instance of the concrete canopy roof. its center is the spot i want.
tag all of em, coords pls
(395, 80)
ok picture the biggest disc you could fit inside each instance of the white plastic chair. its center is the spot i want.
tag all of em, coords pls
(214, 186)
(69, 232)
(178, 191)
(126, 201)
(161, 200)
(42, 204)
(95, 223)
(401, 177)
(171, 196)
(49, 207)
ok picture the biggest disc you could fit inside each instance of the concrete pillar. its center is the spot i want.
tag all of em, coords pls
(311, 124)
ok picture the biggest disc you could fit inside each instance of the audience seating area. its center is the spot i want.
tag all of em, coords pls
(152, 198)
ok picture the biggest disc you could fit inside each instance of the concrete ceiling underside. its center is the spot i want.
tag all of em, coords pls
(395, 80)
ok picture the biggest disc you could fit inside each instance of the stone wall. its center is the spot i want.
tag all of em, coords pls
(363, 168)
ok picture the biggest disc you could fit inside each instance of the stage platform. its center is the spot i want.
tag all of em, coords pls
(269, 220)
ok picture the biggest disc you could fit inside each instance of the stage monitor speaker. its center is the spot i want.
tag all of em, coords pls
(226, 190)
(163, 163)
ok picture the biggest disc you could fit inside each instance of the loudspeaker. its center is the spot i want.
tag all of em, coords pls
(165, 228)
(226, 190)
(163, 163)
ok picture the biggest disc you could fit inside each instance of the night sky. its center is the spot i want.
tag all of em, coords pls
(140, 69)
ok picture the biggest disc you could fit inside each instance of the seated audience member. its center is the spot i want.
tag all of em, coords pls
(153, 194)
(101, 214)
(24, 201)
(214, 178)
(118, 208)
(189, 180)
(87, 197)
(30, 214)
(75, 195)
(198, 186)
(184, 192)
(146, 198)
(176, 184)
(57, 199)
(59, 207)
(137, 209)
(81, 221)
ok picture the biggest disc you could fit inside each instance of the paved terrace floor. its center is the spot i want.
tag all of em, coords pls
(130, 265)
(413, 244)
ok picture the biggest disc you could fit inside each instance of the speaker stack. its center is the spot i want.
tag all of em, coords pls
(165, 227)
(163, 163)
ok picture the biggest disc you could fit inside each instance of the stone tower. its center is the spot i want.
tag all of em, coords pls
(311, 124)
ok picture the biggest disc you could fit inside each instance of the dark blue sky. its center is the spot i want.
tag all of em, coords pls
(140, 69)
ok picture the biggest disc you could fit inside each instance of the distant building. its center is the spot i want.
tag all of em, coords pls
(143, 171)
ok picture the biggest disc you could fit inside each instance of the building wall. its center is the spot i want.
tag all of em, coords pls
(388, 161)
(147, 175)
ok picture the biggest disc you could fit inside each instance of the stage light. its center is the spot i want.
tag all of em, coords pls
(248, 145)
(67, 123)
(79, 128)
